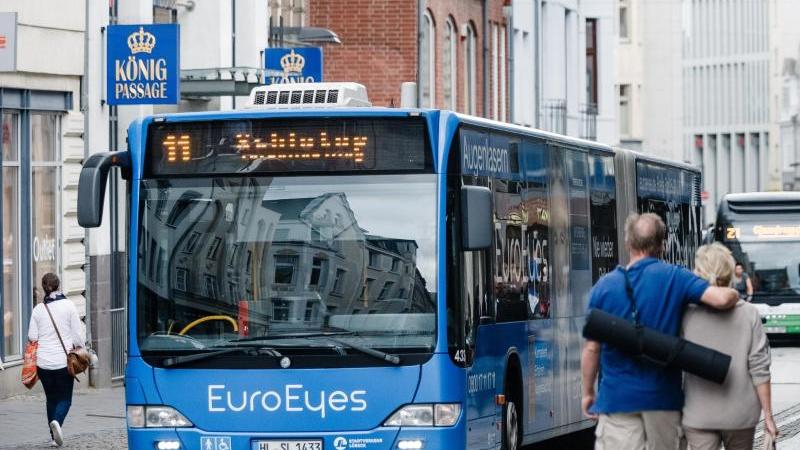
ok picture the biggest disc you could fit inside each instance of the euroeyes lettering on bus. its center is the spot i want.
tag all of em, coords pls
(143, 64)
(292, 398)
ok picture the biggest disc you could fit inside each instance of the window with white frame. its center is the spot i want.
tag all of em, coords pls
(449, 71)
(495, 58)
(427, 73)
(470, 70)
(624, 19)
(625, 110)
(502, 75)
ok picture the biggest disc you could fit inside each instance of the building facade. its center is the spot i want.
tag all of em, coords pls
(570, 46)
(785, 94)
(649, 73)
(456, 50)
(727, 84)
(54, 115)
(42, 150)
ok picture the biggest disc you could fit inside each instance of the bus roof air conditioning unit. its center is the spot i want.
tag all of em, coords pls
(308, 95)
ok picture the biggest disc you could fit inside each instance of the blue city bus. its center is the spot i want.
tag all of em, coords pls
(314, 273)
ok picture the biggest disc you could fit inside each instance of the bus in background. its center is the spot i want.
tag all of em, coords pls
(762, 229)
(314, 273)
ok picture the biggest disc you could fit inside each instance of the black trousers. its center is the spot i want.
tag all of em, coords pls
(57, 386)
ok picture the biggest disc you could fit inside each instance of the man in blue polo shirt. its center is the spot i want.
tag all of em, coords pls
(638, 404)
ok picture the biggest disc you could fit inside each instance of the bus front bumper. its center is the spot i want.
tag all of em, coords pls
(384, 438)
(781, 324)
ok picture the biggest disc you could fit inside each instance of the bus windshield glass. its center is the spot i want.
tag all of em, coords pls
(229, 260)
(770, 253)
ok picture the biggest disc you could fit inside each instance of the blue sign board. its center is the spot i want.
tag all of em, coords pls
(293, 65)
(143, 64)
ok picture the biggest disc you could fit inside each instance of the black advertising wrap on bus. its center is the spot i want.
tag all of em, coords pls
(670, 192)
(246, 146)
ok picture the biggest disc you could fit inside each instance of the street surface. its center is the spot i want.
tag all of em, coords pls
(97, 418)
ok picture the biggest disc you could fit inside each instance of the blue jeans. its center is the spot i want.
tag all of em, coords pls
(57, 386)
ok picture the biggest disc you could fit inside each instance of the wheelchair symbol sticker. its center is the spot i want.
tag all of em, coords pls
(215, 443)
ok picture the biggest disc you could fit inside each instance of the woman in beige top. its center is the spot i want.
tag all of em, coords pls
(726, 414)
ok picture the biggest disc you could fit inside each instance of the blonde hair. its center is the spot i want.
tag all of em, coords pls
(715, 263)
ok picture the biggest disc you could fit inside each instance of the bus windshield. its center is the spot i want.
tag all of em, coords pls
(774, 268)
(770, 253)
(222, 260)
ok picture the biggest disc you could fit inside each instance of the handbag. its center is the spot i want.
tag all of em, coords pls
(77, 359)
(29, 373)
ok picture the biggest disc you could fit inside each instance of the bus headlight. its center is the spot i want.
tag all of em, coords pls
(156, 417)
(425, 415)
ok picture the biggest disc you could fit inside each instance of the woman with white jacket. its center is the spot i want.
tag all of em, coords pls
(51, 358)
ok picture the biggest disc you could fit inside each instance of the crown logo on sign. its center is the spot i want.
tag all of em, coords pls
(141, 41)
(292, 63)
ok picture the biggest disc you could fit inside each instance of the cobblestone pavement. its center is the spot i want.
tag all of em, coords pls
(785, 398)
(95, 421)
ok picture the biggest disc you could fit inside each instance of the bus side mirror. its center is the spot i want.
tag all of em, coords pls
(476, 210)
(92, 185)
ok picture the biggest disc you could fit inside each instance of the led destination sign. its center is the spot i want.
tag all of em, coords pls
(288, 145)
(762, 232)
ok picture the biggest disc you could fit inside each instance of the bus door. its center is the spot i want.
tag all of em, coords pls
(538, 358)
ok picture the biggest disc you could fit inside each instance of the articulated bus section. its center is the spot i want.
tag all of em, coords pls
(368, 278)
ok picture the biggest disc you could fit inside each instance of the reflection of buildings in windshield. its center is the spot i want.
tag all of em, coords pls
(289, 263)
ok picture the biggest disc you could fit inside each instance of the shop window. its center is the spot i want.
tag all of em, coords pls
(10, 230)
(45, 195)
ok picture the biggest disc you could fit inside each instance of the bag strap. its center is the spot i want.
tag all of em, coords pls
(56, 327)
(634, 311)
(631, 298)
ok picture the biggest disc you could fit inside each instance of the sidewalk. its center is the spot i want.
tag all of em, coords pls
(95, 421)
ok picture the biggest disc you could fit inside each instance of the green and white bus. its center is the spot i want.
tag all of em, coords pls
(762, 229)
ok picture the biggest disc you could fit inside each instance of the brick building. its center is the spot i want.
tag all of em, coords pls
(461, 44)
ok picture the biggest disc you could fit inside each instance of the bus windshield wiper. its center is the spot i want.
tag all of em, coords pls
(330, 336)
(388, 357)
(216, 351)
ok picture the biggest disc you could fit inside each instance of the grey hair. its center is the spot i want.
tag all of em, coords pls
(645, 233)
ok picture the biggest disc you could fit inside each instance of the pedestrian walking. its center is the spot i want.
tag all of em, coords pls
(727, 414)
(56, 327)
(742, 283)
(638, 404)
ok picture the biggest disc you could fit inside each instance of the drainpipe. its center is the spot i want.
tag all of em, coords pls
(485, 12)
(537, 63)
(508, 11)
(84, 109)
(420, 22)
(233, 45)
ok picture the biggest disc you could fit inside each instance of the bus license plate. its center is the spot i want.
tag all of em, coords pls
(288, 445)
(775, 329)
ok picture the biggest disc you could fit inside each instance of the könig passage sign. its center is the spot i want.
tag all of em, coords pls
(143, 65)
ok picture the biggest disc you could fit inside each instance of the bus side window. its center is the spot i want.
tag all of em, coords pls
(537, 227)
(510, 272)
(603, 212)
